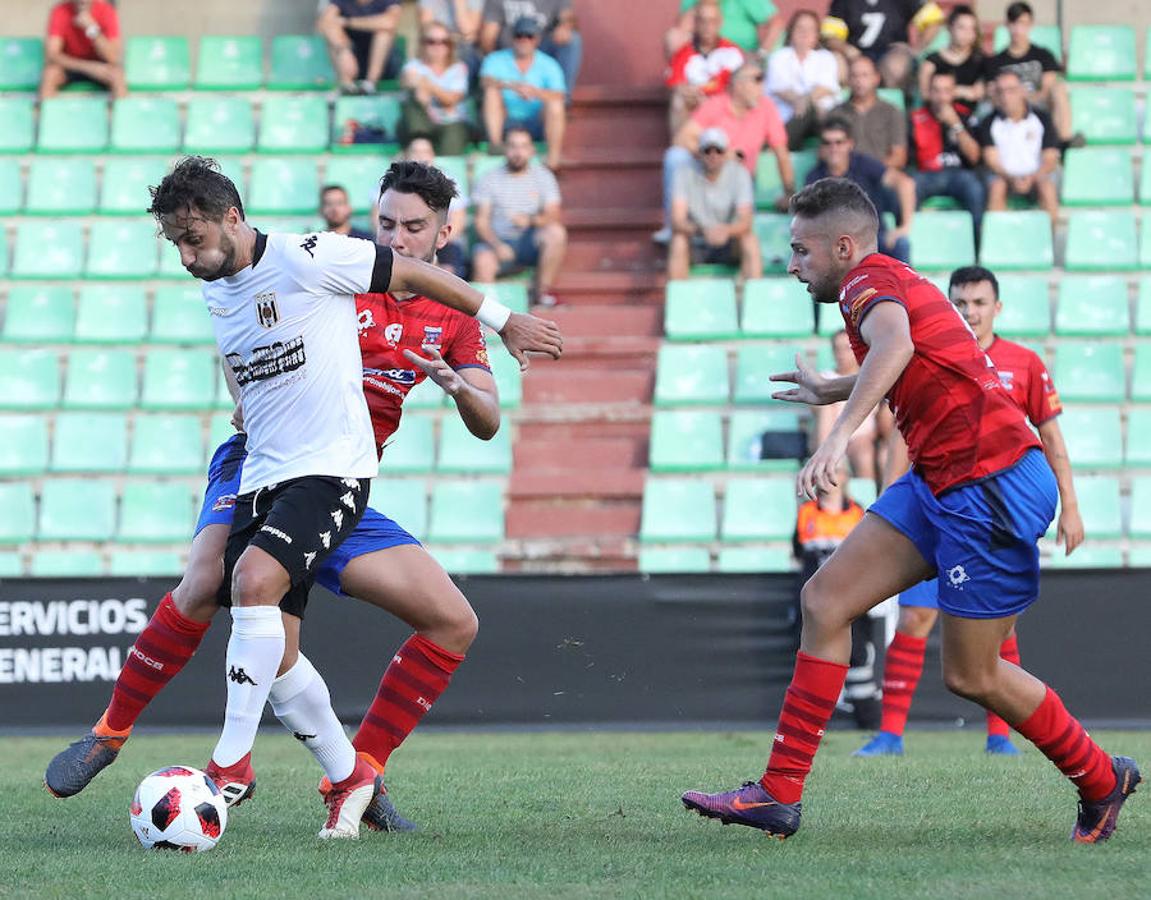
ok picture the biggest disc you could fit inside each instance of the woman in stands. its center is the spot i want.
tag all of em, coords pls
(437, 85)
(962, 57)
(802, 79)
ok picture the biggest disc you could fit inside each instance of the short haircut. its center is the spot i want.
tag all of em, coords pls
(837, 123)
(195, 182)
(516, 128)
(973, 275)
(958, 12)
(1018, 10)
(795, 17)
(427, 182)
(333, 187)
(940, 73)
(1008, 73)
(835, 196)
(747, 64)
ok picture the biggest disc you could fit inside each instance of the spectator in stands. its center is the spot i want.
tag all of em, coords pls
(524, 87)
(961, 58)
(360, 34)
(1020, 148)
(336, 211)
(838, 159)
(946, 153)
(880, 129)
(437, 86)
(711, 210)
(867, 449)
(556, 23)
(700, 68)
(518, 218)
(453, 255)
(83, 44)
(462, 19)
(749, 24)
(802, 79)
(891, 32)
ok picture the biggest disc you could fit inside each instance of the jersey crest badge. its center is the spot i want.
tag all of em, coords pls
(433, 337)
(267, 312)
(365, 321)
(393, 333)
(1007, 378)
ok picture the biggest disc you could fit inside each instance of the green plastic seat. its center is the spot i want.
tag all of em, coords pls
(21, 63)
(753, 368)
(23, 445)
(100, 379)
(425, 395)
(1099, 240)
(466, 562)
(1098, 176)
(17, 512)
(145, 125)
(219, 125)
(512, 294)
(11, 565)
(759, 509)
(126, 183)
(39, 314)
(895, 96)
(467, 512)
(769, 185)
(1090, 372)
(154, 63)
(691, 376)
(674, 560)
(754, 559)
(123, 249)
(73, 125)
(377, 111)
(179, 380)
(1141, 507)
(90, 442)
(179, 316)
(1094, 436)
(1049, 37)
(406, 504)
(677, 510)
(1101, 53)
(229, 63)
(283, 186)
(359, 176)
(294, 125)
(166, 445)
(77, 509)
(686, 441)
(509, 379)
(745, 438)
(862, 491)
(1140, 385)
(29, 379)
(1016, 240)
(1145, 245)
(700, 309)
(19, 132)
(1088, 556)
(776, 308)
(1143, 307)
(461, 452)
(299, 62)
(156, 513)
(145, 564)
(1099, 506)
(774, 233)
(61, 187)
(1138, 448)
(66, 564)
(456, 168)
(942, 240)
(1092, 305)
(1104, 115)
(1026, 306)
(220, 429)
(111, 314)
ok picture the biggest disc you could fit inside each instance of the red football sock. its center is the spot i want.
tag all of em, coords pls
(810, 700)
(1062, 740)
(413, 681)
(901, 671)
(1008, 650)
(160, 652)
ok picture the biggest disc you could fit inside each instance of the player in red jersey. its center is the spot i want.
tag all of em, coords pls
(979, 496)
(974, 291)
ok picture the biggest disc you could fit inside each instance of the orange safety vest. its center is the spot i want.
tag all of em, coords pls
(820, 529)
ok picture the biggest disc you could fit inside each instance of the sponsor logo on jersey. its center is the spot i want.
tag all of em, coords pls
(393, 333)
(223, 502)
(482, 357)
(365, 321)
(400, 376)
(269, 361)
(267, 312)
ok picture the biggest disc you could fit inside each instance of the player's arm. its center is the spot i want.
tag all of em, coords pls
(1070, 528)
(234, 390)
(473, 389)
(812, 387)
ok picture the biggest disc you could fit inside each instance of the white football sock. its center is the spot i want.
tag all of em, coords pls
(254, 653)
(300, 700)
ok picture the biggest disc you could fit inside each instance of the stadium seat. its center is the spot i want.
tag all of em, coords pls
(108, 314)
(1099, 506)
(460, 451)
(862, 491)
(284, 186)
(1098, 176)
(1138, 449)
(1090, 372)
(77, 509)
(426, 395)
(219, 125)
(1141, 375)
(299, 62)
(759, 509)
(145, 564)
(466, 562)
(123, 249)
(1026, 306)
(11, 565)
(1101, 53)
(751, 560)
(1088, 556)
(166, 445)
(677, 510)
(467, 512)
(29, 379)
(1094, 436)
(100, 379)
(700, 309)
(942, 240)
(23, 445)
(686, 441)
(1092, 305)
(1104, 115)
(294, 125)
(229, 63)
(18, 133)
(776, 308)
(894, 96)
(1017, 239)
(156, 513)
(512, 294)
(61, 187)
(745, 433)
(1145, 244)
(769, 185)
(405, 501)
(691, 376)
(66, 564)
(1100, 240)
(380, 111)
(90, 442)
(153, 63)
(21, 62)
(220, 429)
(509, 379)
(774, 233)
(17, 512)
(1140, 507)
(145, 125)
(179, 379)
(179, 317)
(39, 314)
(674, 560)
(126, 183)
(1143, 307)
(73, 125)
(456, 168)
(359, 176)
(754, 366)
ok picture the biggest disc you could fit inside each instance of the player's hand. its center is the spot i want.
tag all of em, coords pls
(438, 370)
(820, 472)
(1070, 530)
(809, 385)
(505, 253)
(524, 334)
(717, 235)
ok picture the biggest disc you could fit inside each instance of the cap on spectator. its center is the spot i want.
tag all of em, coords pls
(713, 137)
(529, 25)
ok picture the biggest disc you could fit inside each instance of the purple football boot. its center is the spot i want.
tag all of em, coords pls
(749, 805)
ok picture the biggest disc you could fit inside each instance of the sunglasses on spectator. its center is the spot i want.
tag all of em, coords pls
(832, 142)
(759, 76)
(523, 36)
(433, 42)
(707, 150)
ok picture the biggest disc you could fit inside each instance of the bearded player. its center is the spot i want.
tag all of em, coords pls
(979, 496)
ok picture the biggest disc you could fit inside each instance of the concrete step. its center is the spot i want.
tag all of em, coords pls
(589, 454)
(615, 287)
(596, 321)
(550, 518)
(634, 428)
(581, 484)
(559, 384)
(603, 254)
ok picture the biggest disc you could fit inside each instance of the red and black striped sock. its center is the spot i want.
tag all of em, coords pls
(901, 670)
(1063, 740)
(810, 700)
(1008, 650)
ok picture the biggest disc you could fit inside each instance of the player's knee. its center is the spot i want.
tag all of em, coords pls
(254, 584)
(819, 608)
(553, 235)
(969, 684)
(195, 595)
(916, 621)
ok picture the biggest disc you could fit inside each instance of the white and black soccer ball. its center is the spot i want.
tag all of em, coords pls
(179, 808)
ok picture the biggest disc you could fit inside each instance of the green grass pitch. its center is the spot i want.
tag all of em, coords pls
(589, 815)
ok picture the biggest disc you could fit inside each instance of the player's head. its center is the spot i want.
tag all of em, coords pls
(963, 27)
(836, 144)
(975, 292)
(708, 21)
(833, 227)
(421, 150)
(199, 210)
(863, 77)
(519, 148)
(334, 206)
(1020, 18)
(1010, 96)
(941, 90)
(413, 209)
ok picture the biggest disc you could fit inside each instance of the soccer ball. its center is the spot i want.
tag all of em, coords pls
(179, 808)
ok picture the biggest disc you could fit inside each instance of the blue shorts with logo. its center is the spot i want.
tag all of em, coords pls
(375, 531)
(981, 537)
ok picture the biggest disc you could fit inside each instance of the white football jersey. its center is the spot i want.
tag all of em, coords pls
(286, 326)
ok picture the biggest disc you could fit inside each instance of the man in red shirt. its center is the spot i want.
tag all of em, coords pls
(83, 44)
(700, 68)
(978, 498)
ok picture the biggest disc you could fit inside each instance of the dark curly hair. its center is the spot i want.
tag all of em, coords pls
(197, 183)
(429, 183)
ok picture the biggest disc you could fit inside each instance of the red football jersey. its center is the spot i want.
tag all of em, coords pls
(1026, 379)
(388, 327)
(959, 423)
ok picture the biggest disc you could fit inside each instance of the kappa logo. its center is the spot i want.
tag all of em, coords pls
(349, 500)
(338, 518)
(238, 675)
(275, 532)
(267, 312)
(351, 483)
(326, 539)
(957, 575)
(309, 558)
(300, 736)
(310, 244)
(365, 321)
(393, 333)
